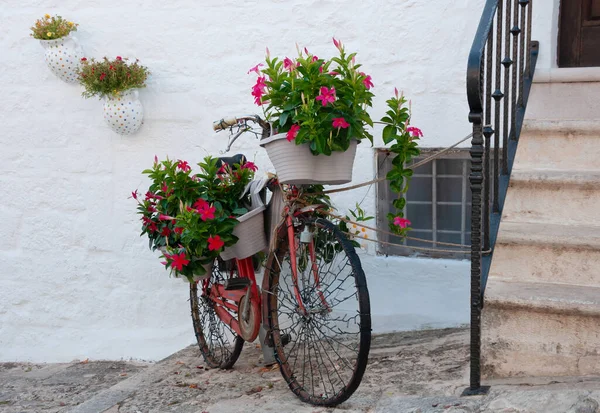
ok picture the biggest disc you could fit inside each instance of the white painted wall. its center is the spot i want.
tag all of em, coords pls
(76, 281)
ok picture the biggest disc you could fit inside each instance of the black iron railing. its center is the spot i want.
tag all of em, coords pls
(499, 76)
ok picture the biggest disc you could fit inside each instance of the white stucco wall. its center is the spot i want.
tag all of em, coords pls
(76, 280)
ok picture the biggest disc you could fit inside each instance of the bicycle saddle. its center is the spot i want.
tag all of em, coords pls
(231, 160)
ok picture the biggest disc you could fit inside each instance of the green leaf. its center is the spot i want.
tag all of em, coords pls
(389, 132)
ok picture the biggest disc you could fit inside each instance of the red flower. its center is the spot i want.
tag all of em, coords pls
(84, 59)
(215, 243)
(179, 230)
(165, 231)
(178, 261)
(184, 166)
(152, 227)
(134, 194)
(327, 95)
(151, 208)
(102, 76)
(111, 67)
(200, 204)
(251, 166)
(292, 133)
(207, 212)
(259, 89)
(164, 217)
(146, 220)
(340, 123)
(119, 58)
(222, 169)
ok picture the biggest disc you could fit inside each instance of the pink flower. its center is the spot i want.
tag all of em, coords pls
(293, 132)
(396, 92)
(178, 261)
(258, 90)
(215, 243)
(165, 232)
(327, 95)
(222, 169)
(179, 230)
(251, 166)
(340, 123)
(315, 58)
(119, 58)
(255, 69)
(333, 73)
(155, 160)
(183, 165)
(165, 189)
(164, 217)
(337, 44)
(415, 132)
(134, 194)
(288, 64)
(401, 222)
(367, 81)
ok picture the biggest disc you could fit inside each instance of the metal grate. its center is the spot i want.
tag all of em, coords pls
(438, 203)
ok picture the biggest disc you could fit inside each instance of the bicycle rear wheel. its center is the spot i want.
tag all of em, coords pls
(321, 330)
(219, 344)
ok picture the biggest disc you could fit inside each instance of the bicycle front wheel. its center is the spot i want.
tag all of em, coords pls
(320, 319)
(219, 344)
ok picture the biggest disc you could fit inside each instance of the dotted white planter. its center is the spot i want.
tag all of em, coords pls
(124, 114)
(63, 57)
(295, 164)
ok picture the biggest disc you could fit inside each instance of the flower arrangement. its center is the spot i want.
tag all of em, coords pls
(110, 78)
(191, 217)
(321, 102)
(50, 28)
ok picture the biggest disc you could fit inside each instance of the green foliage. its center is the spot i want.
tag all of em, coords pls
(404, 146)
(111, 78)
(50, 28)
(193, 215)
(289, 91)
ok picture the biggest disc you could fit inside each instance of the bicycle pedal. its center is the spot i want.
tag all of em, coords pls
(236, 283)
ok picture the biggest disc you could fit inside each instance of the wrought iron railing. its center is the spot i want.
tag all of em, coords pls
(499, 76)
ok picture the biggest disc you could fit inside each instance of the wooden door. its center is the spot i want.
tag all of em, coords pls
(579, 33)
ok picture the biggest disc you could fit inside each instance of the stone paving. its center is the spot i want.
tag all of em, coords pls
(412, 372)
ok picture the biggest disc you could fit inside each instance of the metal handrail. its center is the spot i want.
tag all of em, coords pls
(500, 70)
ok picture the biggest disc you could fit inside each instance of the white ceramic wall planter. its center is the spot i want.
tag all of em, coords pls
(251, 233)
(63, 57)
(295, 164)
(124, 114)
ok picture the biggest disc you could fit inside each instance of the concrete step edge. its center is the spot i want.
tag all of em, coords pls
(578, 127)
(552, 178)
(549, 234)
(541, 297)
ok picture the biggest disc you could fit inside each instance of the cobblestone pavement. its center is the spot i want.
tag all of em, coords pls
(413, 372)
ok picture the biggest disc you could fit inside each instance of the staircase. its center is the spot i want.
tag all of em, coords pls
(541, 314)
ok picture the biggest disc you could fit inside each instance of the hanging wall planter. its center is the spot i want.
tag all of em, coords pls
(124, 113)
(116, 81)
(62, 51)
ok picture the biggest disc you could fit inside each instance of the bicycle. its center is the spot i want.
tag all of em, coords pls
(314, 301)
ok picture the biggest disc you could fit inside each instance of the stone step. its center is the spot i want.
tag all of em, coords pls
(533, 252)
(564, 101)
(559, 145)
(553, 197)
(540, 329)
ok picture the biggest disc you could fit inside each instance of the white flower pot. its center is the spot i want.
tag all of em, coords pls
(124, 114)
(251, 234)
(63, 57)
(295, 164)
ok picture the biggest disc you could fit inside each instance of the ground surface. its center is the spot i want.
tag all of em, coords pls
(413, 372)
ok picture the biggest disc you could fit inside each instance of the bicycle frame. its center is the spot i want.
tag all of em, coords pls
(227, 302)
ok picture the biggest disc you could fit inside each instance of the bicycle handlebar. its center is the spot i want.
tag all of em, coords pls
(224, 123)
